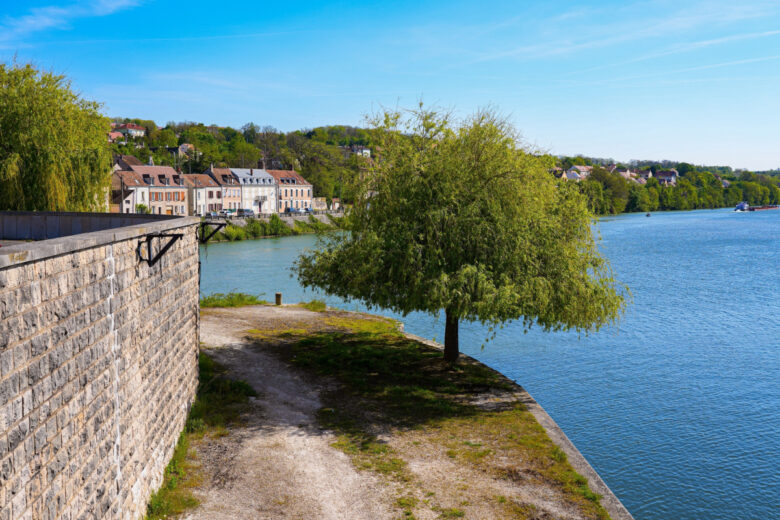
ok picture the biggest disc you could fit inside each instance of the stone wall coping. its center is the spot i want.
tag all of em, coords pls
(18, 254)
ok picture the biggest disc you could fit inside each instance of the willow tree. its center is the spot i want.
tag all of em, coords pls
(460, 218)
(54, 152)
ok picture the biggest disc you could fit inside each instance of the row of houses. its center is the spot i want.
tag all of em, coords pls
(166, 191)
(578, 173)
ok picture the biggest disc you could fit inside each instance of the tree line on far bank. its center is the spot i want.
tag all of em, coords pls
(609, 193)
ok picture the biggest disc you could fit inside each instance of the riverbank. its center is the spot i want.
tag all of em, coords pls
(354, 419)
(275, 227)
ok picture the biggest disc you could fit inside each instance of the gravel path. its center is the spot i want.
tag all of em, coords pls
(279, 464)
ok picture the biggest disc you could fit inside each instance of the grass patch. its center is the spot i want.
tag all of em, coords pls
(219, 403)
(392, 384)
(175, 495)
(232, 299)
(314, 305)
(365, 325)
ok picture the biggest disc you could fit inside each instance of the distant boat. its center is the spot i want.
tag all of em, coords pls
(744, 206)
(648, 214)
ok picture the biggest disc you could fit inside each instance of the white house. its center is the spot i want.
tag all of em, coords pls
(204, 194)
(131, 130)
(258, 189)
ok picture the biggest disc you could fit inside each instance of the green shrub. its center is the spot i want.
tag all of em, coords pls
(277, 227)
(234, 233)
(255, 228)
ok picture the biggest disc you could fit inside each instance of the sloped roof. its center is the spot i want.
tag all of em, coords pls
(130, 178)
(288, 177)
(153, 170)
(199, 180)
(253, 176)
(223, 176)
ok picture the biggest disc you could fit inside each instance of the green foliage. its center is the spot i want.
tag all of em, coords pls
(459, 218)
(142, 209)
(255, 228)
(277, 227)
(233, 232)
(233, 299)
(53, 150)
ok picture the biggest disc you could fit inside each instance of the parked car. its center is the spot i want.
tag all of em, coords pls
(212, 214)
(292, 210)
(307, 210)
(227, 213)
(245, 213)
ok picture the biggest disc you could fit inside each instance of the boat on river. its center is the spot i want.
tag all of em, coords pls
(744, 206)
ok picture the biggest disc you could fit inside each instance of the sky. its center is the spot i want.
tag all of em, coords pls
(679, 80)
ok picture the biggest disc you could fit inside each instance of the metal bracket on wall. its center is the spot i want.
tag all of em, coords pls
(204, 225)
(148, 243)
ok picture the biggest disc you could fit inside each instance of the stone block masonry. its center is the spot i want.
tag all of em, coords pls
(98, 365)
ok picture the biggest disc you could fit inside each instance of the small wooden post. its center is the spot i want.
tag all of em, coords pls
(278, 298)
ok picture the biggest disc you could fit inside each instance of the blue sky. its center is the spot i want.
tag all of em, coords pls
(680, 80)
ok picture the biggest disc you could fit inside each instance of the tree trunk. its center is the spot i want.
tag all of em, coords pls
(451, 338)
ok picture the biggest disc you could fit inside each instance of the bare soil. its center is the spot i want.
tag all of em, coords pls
(280, 463)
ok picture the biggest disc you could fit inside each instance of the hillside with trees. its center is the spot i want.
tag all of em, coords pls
(698, 187)
(322, 155)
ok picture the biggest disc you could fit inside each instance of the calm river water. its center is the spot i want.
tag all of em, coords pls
(678, 407)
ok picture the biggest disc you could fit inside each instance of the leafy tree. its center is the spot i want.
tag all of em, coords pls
(166, 137)
(594, 192)
(638, 199)
(53, 149)
(142, 209)
(459, 218)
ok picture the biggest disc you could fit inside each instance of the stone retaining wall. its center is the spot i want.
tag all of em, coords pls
(98, 368)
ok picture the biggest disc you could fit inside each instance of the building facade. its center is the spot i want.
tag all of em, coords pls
(231, 188)
(204, 195)
(293, 191)
(128, 191)
(258, 189)
(167, 192)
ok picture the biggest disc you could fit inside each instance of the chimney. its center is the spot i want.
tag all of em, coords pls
(251, 172)
(151, 161)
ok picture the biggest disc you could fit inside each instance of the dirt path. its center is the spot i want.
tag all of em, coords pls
(280, 463)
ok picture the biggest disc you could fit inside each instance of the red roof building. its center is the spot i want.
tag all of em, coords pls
(294, 192)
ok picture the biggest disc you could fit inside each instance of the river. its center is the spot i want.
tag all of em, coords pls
(678, 406)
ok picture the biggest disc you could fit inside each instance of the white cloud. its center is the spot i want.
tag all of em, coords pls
(39, 19)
